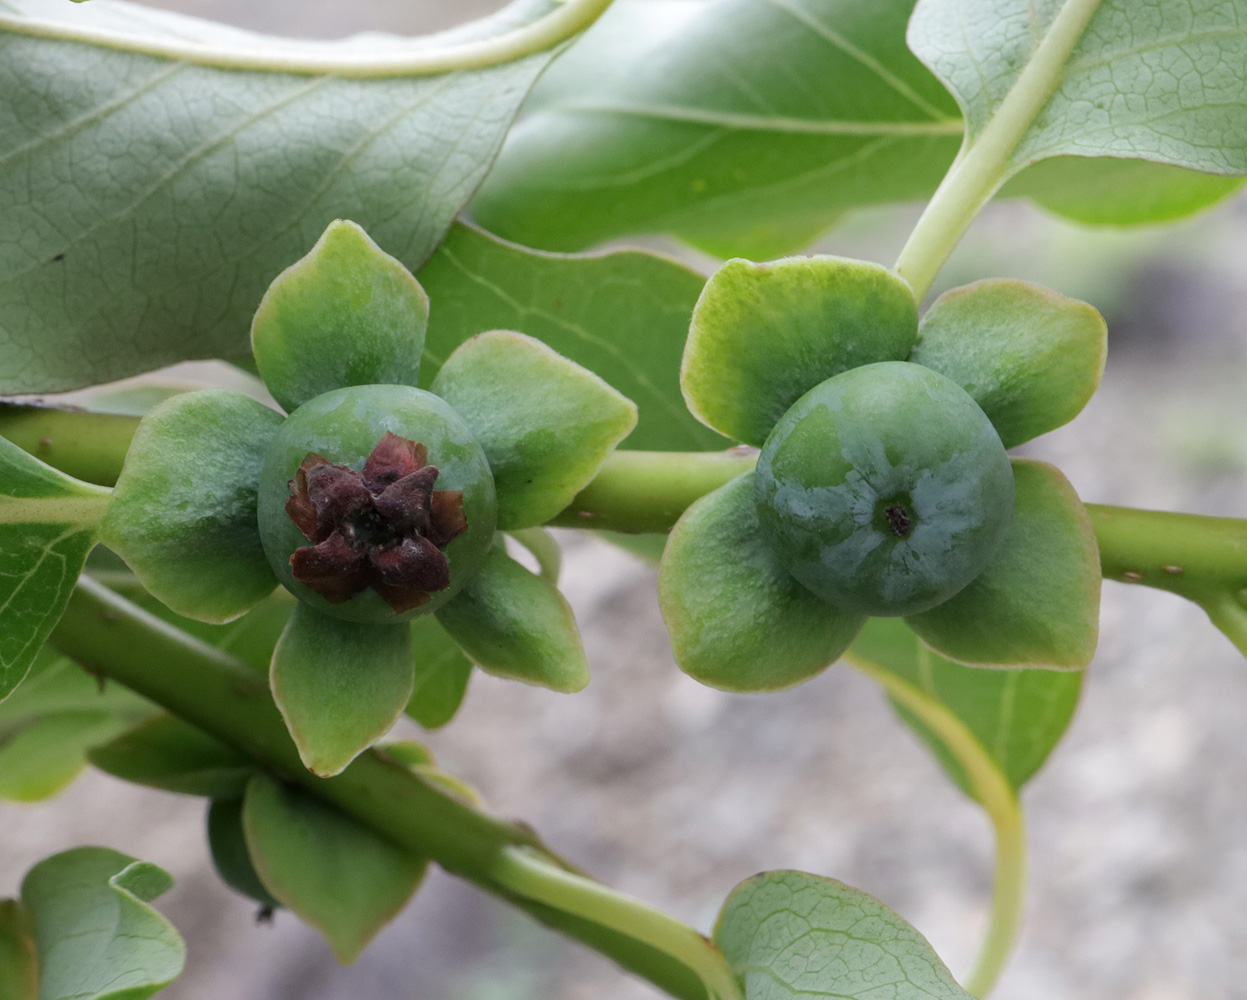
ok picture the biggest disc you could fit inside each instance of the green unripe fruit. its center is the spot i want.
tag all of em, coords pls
(354, 518)
(885, 489)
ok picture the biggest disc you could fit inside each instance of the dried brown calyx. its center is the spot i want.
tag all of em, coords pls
(383, 528)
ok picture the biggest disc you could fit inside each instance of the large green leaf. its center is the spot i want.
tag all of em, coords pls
(159, 170)
(793, 936)
(983, 725)
(752, 122)
(624, 316)
(97, 937)
(1165, 82)
(165, 752)
(342, 878)
(744, 176)
(47, 526)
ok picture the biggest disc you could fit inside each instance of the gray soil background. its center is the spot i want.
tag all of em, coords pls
(674, 792)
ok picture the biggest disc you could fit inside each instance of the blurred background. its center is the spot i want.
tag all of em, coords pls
(674, 792)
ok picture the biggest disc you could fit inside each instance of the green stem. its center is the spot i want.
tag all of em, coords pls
(544, 549)
(287, 56)
(984, 161)
(223, 696)
(532, 876)
(647, 491)
(998, 799)
(87, 446)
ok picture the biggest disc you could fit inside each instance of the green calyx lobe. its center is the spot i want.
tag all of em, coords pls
(884, 490)
(347, 545)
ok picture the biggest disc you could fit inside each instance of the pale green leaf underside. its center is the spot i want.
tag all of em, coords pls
(793, 936)
(43, 758)
(47, 527)
(545, 422)
(1014, 717)
(96, 935)
(442, 674)
(343, 879)
(1149, 79)
(152, 200)
(340, 685)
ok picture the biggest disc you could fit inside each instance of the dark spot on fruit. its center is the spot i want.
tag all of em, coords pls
(899, 521)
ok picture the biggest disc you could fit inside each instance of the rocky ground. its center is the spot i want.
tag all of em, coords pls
(674, 792)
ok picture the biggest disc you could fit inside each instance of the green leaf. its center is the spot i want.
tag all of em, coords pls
(346, 314)
(419, 760)
(1161, 82)
(763, 335)
(183, 514)
(162, 170)
(97, 937)
(1031, 358)
(19, 957)
(991, 729)
(1037, 604)
(340, 685)
(1105, 191)
(546, 423)
(792, 935)
(165, 752)
(746, 125)
(622, 315)
(343, 879)
(44, 757)
(227, 842)
(736, 618)
(442, 674)
(514, 624)
(47, 526)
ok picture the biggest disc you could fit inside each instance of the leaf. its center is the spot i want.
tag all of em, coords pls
(763, 335)
(514, 624)
(165, 752)
(57, 684)
(789, 934)
(183, 514)
(442, 674)
(44, 757)
(1031, 358)
(546, 423)
(346, 314)
(1115, 192)
(47, 527)
(1161, 82)
(343, 879)
(1037, 604)
(158, 188)
(227, 842)
(737, 619)
(19, 958)
(750, 125)
(97, 936)
(990, 729)
(340, 685)
(622, 315)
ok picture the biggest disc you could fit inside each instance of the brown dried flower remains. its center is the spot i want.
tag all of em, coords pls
(383, 528)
